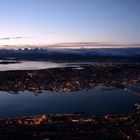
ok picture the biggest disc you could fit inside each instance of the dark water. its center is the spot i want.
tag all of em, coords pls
(96, 101)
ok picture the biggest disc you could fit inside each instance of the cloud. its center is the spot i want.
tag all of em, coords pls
(17, 37)
(91, 45)
(9, 38)
(5, 38)
(73, 45)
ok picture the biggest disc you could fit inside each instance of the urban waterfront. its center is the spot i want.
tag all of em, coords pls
(70, 100)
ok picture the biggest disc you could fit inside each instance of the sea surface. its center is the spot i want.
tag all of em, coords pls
(36, 65)
(99, 100)
(29, 65)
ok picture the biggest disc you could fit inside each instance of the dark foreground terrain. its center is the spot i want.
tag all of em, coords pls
(73, 127)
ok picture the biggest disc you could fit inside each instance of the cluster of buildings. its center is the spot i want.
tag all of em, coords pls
(70, 79)
(69, 126)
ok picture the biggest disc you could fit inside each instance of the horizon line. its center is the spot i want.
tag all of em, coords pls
(74, 45)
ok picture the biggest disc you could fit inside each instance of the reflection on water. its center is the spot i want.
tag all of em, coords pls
(29, 65)
(95, 101)
(134, 89)
(36, 65)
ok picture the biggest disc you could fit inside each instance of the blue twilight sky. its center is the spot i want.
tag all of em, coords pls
(56, 21)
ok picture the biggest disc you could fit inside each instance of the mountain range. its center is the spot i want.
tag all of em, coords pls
(71, 54)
